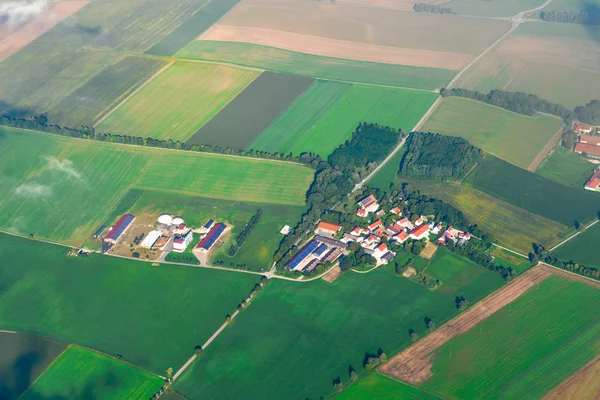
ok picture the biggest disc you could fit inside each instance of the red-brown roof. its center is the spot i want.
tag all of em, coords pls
(590, 139)
(367, 201)
(419, 230)
(375, 225)
(402, 236)
(594, 181)
(382, 247)
(579, 127)
(329, 226)
(587, 148)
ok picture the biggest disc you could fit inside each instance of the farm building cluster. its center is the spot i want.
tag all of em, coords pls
(588, 144)
(321, 249)
(169, 234)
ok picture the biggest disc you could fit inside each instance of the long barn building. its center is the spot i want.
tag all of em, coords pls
(120, 227)
(211, 237)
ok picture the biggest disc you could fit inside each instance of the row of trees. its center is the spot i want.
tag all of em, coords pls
(241, 238)
(589, 113)
(434, 156)
(573, 17)
(431, 8)
(540, 253)
(40, 123)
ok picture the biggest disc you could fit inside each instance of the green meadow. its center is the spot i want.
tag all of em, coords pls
(380, 387)
(582, 249)
(566, 167)
(61, 189)
(80, 373)
(523, 350)
(281, 135)
(396, 108)
(278, 60)
(153, 316)
(315, 331)
(508, 135)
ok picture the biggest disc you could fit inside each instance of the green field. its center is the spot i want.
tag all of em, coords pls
(284, 61)
(582, 249)
(387, 175)
(315, 331)
(62, 189)
(290, 126)
(179, 101)
(252, 111)
(513, 137)
(524, 350)
(510, 260)
(534, 193)
(380, 387)
(551, 60)
(152, 316)
(84, 374)
(510, 226)
(455, 272)
(23, 358)
(256, 252)
(491, 8)
(397, 108)
(89, 102)
(566, 167)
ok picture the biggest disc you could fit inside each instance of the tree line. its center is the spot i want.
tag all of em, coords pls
(241, 238)
(431, 8)
(573, 17)
(540, 253)
(434, 156)
(40, 123)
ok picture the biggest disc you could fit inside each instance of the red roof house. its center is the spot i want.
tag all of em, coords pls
(580, 128)
(594, 182)
(590, 149)
(419, 232)
(328, 228)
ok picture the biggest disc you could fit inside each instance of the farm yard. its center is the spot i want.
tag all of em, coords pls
(582, 248)
(281, 135)
(374, 310)
(513, 137)
(81, 373)
(62, 189)
(534, 193)
(23, 358)
(115, 305)
(380, 387)
(509, 225)
(553, 340)
(283, 61)
(558, 62)
(567, 168)
(178, 102)
(396, 108)
(248, 114)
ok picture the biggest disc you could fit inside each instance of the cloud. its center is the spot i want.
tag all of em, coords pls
(15, 13)
(65, 166)
(33, 190)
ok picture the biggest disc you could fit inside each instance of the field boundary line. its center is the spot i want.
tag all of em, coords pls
(574, 235)
(45, 370)
(24, 236)
(116, 107)
(566, 382)
(572, 275)
(541, 156)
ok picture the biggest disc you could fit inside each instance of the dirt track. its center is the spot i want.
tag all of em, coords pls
(327, 47)
(544, 152)
(413, 365)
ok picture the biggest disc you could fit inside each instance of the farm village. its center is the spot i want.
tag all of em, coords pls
(299, 199)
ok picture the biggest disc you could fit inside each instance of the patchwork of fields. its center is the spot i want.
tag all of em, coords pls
(513, 137)
(62, 189)
(567, 168)
(558, 62)
(115, 305)
(81, 373)
(294, 329)
(582, 249)
(179, 101)
(524, 350)
(380, 387)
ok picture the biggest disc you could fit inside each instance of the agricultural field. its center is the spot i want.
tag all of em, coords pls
(380, 387)
(534, 193)
(115, 305)
(248, 114)
(490, 8)
(283, 61)
(79, 373)
(584, 384)
(513, 137)
(567, 168)
(523, 350)
(397, 108)
(23, 358)
(447, 35)
(388, 174)
(582, 249)
(572, 5)
(510, 260)
(178, 102)
(92, 100)
(294, 329)
(455, 272)
(509, 225)
(48, 188)
(257, 251)
(556, 61)
(281, 135)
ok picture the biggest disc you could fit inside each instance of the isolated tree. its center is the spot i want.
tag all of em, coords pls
(414, 336)
(198, 350)
(169, 372)
(353, 376)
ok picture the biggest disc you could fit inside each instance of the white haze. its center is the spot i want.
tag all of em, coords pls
(15, 13)
(33, 190)
(65, 166)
